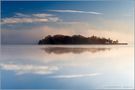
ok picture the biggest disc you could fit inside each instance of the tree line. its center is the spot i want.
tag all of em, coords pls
(76, 39)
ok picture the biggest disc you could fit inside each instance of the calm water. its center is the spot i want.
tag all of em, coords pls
(67, 67)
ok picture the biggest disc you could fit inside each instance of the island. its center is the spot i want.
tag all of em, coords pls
(77, 40)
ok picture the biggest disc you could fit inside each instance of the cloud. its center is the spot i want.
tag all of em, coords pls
(33, 18)
(76, 11)
(23, 20)
(76, 75)
(54, 19)
(41, 15)
(21, 15)
(25, 69)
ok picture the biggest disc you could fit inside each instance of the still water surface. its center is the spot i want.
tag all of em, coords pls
(67, 67)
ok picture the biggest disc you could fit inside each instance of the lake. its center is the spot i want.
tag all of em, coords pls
(77, 67)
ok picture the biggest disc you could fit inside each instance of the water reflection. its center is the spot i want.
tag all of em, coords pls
(21, 69)
(63, 50)
(30, 60)
(70, 67)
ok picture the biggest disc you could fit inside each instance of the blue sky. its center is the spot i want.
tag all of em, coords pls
(25, 22)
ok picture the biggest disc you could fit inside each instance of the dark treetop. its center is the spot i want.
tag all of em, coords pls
(76, 39)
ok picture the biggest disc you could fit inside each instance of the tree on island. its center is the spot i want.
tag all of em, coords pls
(75, 39)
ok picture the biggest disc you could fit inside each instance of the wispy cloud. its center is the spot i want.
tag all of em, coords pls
(76, 11)
(42, 15)
(22, 20)
(32, 18)
(21, 15)
(76, 75)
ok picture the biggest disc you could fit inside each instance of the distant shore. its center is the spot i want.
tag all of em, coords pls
(86, 44)
(77, 40)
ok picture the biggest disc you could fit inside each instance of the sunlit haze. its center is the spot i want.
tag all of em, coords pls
(26, 22)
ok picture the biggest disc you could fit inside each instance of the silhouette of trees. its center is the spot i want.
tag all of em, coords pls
(75, 39)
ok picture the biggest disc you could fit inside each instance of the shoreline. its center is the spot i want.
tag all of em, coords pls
(86, 44)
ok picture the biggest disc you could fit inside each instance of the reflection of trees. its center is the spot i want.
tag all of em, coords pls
(62, 50)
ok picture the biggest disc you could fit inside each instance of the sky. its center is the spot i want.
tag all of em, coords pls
(26, 22)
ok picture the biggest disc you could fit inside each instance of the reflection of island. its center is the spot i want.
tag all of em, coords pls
(76, 39)
(62, 50)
